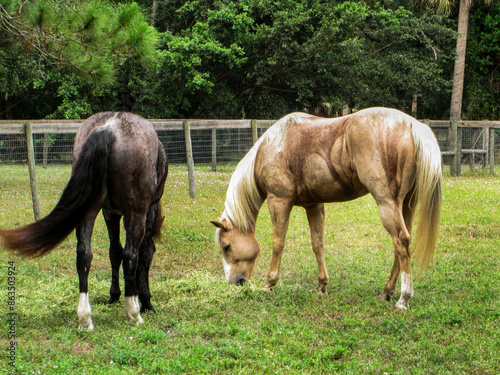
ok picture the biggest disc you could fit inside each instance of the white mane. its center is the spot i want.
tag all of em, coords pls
(243, 200)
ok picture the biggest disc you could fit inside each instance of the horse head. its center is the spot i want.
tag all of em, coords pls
(239, 252)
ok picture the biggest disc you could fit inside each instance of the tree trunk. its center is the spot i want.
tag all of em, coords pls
(154, 8)
(459, 73)
(414, 105)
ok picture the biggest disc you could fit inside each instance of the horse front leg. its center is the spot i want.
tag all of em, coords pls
(115, 254)
(316, 219)
(83, 262)
(135, 227)
(279, 210)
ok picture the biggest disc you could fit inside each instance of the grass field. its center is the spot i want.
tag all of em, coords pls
(206, 326)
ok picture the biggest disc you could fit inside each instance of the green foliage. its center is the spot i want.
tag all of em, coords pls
(240, 59)
(90, 38)
(482, 87)
(266, 58)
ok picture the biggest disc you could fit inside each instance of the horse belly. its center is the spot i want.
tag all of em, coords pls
(322, 183)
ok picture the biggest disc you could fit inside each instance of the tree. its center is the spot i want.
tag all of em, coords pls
(89, 38)
(249, 59)
(262, 59)
(459, 70)
(482, 96)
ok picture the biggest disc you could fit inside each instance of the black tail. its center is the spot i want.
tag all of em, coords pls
(85, 186)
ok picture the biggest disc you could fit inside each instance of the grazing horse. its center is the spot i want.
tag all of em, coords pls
(119, 166)
(303, 160)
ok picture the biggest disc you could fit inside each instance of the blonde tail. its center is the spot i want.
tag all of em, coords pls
(429, 192)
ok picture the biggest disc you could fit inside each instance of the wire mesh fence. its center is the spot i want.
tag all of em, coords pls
(475, 142)
(229, 145)
(54, 148)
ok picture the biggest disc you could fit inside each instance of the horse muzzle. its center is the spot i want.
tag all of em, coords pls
(239, 280)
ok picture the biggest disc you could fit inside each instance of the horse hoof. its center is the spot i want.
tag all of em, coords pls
(132, 310)
(89, 328)
(149, 308)
(85, 324)
(402, 306)
(321, 290)
(112, 300)
(385, 296)
(139, 320)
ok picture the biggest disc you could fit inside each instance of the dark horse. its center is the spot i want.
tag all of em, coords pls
(119, 166)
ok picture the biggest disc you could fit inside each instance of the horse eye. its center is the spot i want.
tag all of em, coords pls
(226, 248)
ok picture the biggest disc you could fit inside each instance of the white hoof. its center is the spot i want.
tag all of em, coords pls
(84, 313)
(402, 305)
(132, 310)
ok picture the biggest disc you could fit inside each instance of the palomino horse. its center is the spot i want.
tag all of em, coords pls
(119, 166)
(303, 160)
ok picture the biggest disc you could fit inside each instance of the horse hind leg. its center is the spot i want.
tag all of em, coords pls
(135, 226)
(392, 219)
(146, 252)
(408, 215)
(115, 254)
(83, 262)
(390, 286)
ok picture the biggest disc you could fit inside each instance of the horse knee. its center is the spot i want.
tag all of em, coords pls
(146, 252)
(83, 258)
(130, 268)
(402, 245)
(404, 239)
(130, 255)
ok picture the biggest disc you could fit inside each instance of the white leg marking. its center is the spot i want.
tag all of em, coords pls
(227, 269)
(132, 309)
(84, 320)
(406, 291)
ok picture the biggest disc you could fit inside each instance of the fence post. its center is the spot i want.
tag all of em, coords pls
(459, 150)
(486, 144)
(472, 161)
(31, 167)
(492, 151)
(189, 159)
(214, 150)
(453, 147)
(255, 135)
(45, 149)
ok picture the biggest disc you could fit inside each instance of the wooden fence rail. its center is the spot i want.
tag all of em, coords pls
(453, 140)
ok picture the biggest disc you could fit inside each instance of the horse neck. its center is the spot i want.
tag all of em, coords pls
(243, 199)
(244, 226)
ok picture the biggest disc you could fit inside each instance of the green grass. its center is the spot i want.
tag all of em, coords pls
(206, 326)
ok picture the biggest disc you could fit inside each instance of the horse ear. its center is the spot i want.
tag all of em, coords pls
(220, 225)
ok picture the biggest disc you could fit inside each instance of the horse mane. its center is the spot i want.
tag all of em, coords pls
(243, 198)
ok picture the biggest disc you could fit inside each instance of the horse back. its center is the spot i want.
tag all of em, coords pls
(382, 150)
(315, 159)
(137, 165)
(308, 161)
